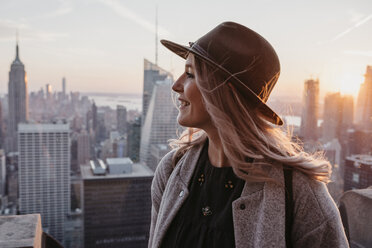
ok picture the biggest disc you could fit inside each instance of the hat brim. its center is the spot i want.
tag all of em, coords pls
(183, 51)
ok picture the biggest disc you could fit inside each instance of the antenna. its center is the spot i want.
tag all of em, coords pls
(156, 35)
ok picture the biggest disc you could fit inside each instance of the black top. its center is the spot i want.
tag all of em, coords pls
(205, 218)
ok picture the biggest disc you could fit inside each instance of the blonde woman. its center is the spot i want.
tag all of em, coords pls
(235, 179)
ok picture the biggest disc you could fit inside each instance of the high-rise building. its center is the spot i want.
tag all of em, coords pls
(332, 117)
(64, 86)
(358, 172)
(310, 110)
(347, 112)
(116, 203)
(18, 101)
(83, 148)
(160, 124)
(151, 74)
(363, 117)
(44, 174)
(121, 119)
(2, 174)
(48, 90)
(134, 139)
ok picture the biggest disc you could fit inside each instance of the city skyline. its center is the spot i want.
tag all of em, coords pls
(100, 45)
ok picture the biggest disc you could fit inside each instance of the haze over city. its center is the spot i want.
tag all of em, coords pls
(99, 45)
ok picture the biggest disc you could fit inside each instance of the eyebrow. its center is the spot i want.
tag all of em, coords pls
(187, 66)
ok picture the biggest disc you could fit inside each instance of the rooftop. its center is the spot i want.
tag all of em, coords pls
(138, 170)
(32, 128)
(361, 159)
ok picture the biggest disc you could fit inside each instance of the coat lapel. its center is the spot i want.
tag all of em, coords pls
(259, 214)
(176, 193)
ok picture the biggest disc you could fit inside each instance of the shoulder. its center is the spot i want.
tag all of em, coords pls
(162, 173)
(312, 196)
(316, 216)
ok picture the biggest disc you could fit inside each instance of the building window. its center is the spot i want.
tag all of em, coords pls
(355, 177)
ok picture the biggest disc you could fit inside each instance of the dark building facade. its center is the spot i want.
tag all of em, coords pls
(121, 118)
(117, 208)
(358, 172)
(133, 139)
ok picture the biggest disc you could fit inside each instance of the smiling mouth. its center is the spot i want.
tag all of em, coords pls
(183, 103)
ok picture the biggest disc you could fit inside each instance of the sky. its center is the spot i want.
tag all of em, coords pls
(100, 45)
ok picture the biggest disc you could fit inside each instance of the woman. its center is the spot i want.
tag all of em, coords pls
(224, 186)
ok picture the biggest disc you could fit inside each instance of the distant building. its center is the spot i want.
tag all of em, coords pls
(49, 92)
(116, 206)
(44, 174)
(151, 74)
(121, 119)
(83, 148)
(160, 124)
(310, 111)
(64, 87)
(363, 116)
(157, 151)
(134, 139)
(2, 173)
(347, 111)
(332, 151)
(18, 101)
(358, 172)
(332, 117)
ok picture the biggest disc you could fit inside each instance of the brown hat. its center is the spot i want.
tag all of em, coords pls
(248, 60)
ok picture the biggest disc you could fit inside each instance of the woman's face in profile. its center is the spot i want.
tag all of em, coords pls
(192, 112)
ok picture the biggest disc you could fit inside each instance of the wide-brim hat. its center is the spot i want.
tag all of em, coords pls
(247, 60)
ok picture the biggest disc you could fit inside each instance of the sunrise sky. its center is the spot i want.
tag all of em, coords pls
(99, 45)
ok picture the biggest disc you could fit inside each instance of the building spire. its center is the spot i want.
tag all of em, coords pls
(17, 49)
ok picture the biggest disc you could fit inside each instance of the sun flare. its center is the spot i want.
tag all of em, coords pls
(349, 83)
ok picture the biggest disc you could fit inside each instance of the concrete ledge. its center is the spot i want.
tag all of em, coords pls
(356, 214)
(21, 231)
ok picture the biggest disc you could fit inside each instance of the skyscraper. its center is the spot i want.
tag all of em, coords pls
(121, 118)
(133, 139)
(160, 124)
(18, 100)
(310, 109)
(363, 116)
(151, 74)
(44, 174)
(116, 203)
(64, 86)
(332, 117)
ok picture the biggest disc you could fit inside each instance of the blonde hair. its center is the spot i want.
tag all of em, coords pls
(244, 133)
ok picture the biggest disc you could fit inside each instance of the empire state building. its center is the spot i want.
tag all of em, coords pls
(18, 100)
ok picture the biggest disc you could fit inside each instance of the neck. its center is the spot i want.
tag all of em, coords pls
(216, 153)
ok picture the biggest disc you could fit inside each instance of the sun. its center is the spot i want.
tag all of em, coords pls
(349, 83)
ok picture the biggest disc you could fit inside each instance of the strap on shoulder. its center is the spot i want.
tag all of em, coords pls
(288, 206)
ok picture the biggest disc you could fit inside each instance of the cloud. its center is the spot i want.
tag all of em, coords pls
(356, 25)
(8, 32)
(126, 13)
(64, 9)
(358, 53)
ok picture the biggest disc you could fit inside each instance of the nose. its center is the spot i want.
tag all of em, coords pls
(178, 85)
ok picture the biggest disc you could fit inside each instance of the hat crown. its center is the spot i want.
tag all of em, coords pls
(243, 53)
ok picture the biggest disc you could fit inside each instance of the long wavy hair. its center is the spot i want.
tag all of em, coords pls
(244, 133)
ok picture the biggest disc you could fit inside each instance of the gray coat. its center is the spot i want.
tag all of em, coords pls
(259, 214)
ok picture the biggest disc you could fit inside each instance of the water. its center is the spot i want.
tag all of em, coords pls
(130, 101)
(292, 120)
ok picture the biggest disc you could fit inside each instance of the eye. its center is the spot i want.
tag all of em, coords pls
(189, 75)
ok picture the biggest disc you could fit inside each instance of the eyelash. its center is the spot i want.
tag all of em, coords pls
(189, 75)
